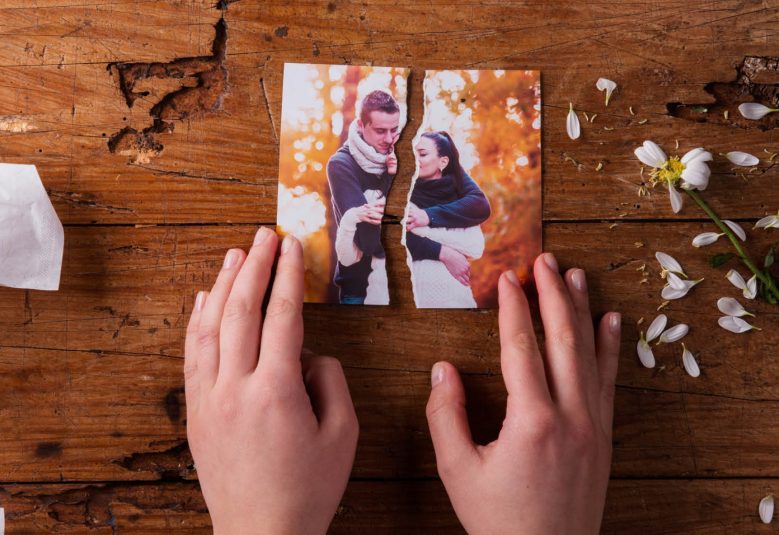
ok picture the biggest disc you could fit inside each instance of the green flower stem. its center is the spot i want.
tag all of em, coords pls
(745, 258)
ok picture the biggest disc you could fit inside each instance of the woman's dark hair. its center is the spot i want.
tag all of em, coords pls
(446, 147)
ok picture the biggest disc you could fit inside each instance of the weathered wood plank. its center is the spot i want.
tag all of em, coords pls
(646, 506)
(79, 105)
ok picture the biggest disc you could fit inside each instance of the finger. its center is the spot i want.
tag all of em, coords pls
(520, 360)
(329, 393)
(609, 334)
(448, 421)
(576, 282)
(191, 352)
(282, 332)
(242, 320)
(567, 373)
(208, 336)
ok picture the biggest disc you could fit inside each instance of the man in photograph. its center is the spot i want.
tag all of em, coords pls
(360, 174)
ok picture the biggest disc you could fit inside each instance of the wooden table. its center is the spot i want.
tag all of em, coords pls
(153, 184)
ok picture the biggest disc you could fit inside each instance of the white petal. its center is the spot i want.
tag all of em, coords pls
(696, 176)
(699, 155)
(768, 222)
(690, 364)
(676, 282)
(676, 199)
(743, 159)
(651, 154)
(766, 509)
(645, 354)
(734, 324)
(705, 238)
(731, 307)
(572, 124)
(669, 263)
(675, 333)
(669, 293)
(751, 290)
(604, 84)
(753, 110)
(736, 228)
(736, 279)
(656, 327)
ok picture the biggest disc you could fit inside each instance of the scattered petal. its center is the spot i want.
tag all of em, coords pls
(755, 111)
(705, 238)
(604, 84)
(751, 291)
(669, 293)
(731, 307)
(656, 327)
(676, 282)
(690, 364)
(669, 263)
(748, 289)
(674, 334)
(572, 123)
(676, 199)
(651, 154)
(645, 354)
(766, 509)
(736, 228)
(734, 324)
(743, 159)
(770, 221)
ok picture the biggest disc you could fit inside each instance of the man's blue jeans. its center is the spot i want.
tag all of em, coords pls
(352, 300)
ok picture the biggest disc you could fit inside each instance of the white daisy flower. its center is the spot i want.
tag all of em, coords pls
(766, 509)
(736, 228)
(643, 349)
(735, 324)
(748, 288)
(572, 124)
(731, 307)
(690, 172)
(706, 238)
(604, 84)
(690, 364)
(755, 111)
(742, 159)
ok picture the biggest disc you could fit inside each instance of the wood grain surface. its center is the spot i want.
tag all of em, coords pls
(154, 127)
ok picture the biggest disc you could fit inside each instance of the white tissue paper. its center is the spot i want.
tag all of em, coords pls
(31, 235)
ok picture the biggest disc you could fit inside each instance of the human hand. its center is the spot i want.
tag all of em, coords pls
(457, 264)
(274, 437)
(548, 470)
(372, 212)
(392, 163)
(416, 218)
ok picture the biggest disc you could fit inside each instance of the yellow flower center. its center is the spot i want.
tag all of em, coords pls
(670, 173)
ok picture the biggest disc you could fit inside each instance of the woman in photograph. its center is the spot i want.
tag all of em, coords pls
(443, 221)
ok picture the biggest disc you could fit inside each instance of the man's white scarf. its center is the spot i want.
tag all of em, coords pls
(368, 158)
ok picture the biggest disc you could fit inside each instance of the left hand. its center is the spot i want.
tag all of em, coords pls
(416, 218)
(273, 436)
(392, 163)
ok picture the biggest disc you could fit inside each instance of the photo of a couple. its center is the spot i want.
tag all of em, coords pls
(474, 206)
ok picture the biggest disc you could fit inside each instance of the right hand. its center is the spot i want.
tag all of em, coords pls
(371, 212)
(548, 470)
(457, 264)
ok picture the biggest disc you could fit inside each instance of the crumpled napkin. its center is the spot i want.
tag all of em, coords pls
(31, 235)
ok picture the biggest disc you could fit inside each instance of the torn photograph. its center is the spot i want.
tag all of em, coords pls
(474, 208)
(339, 126)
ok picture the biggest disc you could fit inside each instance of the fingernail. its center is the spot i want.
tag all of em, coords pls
(579, 279)
(263, 233)
(199, 300)
(615, 322)
(437, 374)
(512, 277)
(231, 258)
(551, 261)
(287, 243)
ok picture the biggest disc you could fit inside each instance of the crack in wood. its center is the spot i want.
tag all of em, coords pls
(172, 464)
(757, 80)
(206, 96)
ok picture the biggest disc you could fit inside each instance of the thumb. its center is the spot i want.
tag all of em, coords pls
(448, 420)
